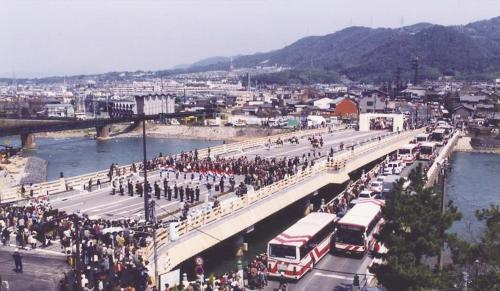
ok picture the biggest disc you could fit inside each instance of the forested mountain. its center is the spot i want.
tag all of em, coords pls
(469, 51)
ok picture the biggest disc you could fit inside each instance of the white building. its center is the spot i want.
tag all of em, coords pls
(153, 104)
(149, 104)
(323, 103)
(59, 110)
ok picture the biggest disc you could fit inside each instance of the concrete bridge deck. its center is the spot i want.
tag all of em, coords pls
(197, 234)
(59, 186)
(100, 203)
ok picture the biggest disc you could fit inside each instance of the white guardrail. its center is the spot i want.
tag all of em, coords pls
(434, 169)
(76, 182)
(338, 163)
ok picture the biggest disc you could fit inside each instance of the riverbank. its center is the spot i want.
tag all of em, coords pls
(464, 145)
(12, 171)
(18, 170)
(225, 133)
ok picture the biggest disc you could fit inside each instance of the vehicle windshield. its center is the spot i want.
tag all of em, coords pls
(437, 136)
(422, 138)
(426, 150)
(403, 151)
(350, 236)
(282, 251)
(364, 195)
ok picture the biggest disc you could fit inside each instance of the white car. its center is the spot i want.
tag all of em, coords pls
(376, 186)
(393, 168)
(366, 194)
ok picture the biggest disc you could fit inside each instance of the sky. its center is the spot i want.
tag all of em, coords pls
(66, 37)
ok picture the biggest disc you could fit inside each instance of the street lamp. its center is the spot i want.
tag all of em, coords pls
(145, 189)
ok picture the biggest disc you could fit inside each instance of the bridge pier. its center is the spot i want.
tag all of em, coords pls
(308, 207)
(28, 141)
(103, 132)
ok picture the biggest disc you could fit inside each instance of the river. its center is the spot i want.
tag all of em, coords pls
(79, 155)
(473, 183)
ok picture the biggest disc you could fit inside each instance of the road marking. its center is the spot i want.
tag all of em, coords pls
(334, 276)
(142, 206)
(107, 205)
(73, 205)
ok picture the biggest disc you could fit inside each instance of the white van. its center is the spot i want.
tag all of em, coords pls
(393, 168)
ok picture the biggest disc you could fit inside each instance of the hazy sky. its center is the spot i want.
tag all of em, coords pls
(64, 37)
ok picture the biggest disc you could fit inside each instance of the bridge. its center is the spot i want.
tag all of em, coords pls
(26, 128)
(206, 225)
(198, 233)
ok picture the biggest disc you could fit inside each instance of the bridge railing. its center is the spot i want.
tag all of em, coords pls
(77, 182)
(434, 169)
(261, 141)
(236, 204)
(230, 206)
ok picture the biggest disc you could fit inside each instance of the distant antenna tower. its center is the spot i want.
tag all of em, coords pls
(414, 66)
(402, 21)
(248, 82)
(398, 78)
(231, 65)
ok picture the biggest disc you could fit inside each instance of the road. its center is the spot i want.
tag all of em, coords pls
(99, 203)
(41, 271)
(331, 273)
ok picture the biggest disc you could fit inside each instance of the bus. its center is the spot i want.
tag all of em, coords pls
(439, 136)
(408, 153)
(355, 232)
(422, 137)
(427, 151)
(296, 250)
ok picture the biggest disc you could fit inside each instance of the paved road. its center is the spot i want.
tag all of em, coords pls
(100, 203)
(41, 271)
(331, 273)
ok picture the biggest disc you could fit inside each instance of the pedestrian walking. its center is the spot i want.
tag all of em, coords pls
(209, 188)
(18, 261)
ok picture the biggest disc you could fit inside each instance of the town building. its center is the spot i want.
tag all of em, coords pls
(59, 110)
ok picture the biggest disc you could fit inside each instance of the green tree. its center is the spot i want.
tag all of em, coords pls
(484, 257)
(414, 233)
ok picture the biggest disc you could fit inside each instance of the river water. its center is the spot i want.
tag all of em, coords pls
(79, 155)
(473, 184)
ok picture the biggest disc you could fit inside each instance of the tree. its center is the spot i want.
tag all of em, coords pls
(484, 257)
(414, 233)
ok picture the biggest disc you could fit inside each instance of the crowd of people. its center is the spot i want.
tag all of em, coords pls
(109, 251)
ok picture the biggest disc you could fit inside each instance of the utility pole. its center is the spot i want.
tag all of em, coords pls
(77, 253)
(443, 206)
(145, 188)
(414, 65)
(155, 249)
